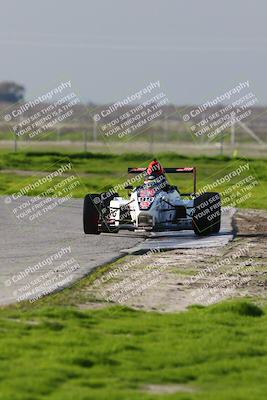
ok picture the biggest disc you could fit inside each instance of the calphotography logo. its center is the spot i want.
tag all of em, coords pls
(34, 118)
(130, 116)
(216, 116)
(46, 276)
(54, 189)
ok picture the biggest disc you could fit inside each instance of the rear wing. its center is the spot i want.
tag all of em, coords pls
(181, 170)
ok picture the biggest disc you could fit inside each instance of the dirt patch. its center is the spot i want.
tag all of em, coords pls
(251, 222)
(172, 281)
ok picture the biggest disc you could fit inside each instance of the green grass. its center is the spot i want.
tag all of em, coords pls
(104, 171)
(58, 352)
(53, 350)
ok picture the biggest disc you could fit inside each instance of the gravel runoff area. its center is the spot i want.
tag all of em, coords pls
(171, 281)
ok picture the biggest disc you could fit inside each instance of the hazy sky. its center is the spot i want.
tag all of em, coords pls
(112, 48)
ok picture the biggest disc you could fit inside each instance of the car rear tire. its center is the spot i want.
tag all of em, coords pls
(91, 213)
(207, 214)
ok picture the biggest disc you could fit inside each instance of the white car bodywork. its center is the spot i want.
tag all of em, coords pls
(152, 207)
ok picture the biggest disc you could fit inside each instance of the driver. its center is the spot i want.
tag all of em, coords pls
(155, 175)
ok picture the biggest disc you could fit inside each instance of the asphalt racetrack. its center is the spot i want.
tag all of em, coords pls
(44, 254)
(55, 237)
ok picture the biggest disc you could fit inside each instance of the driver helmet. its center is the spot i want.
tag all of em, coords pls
(155, 168)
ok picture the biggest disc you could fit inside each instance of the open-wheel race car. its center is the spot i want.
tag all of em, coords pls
(155, 205)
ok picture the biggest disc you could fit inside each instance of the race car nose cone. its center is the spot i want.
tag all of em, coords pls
(145, 220)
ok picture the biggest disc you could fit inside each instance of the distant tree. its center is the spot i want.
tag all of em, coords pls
(11, 92)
